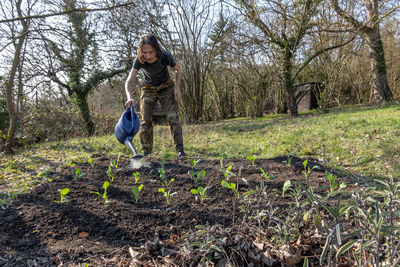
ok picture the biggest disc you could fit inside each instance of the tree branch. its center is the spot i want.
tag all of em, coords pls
(66, 12)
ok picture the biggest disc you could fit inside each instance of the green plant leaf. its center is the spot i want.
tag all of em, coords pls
(64, 191)
(325, 250)
(194, 191)
(106, 185)
(345, 248)
(305, 263)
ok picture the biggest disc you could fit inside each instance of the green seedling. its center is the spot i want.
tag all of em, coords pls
(267, 176)
(199, 175)
(231, 186)
(333, 182)
(78, 174)
(228, 171)
(193, 163)
(285, 187)
(136, 175)
(110, 174)
(106, 184)
(307, 170)
(167, 194)
(92, 161)
(136, 190)
(201, 192)
(289, 160)
(252, 159)
(63, 193)
(113, 169)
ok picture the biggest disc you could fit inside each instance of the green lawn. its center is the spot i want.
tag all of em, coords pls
(359, 140)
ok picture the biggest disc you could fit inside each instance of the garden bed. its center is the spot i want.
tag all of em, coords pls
(227, 227)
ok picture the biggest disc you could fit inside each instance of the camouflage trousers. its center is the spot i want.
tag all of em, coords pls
(149, 97)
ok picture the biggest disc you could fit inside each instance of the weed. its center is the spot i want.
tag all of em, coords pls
(106, 184)
(201, 192)
(167, 194)
(136, 190)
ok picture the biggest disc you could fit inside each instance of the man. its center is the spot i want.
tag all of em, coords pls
(154, 62)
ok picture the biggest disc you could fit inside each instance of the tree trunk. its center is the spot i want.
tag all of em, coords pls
(10, 84)
(288, 84)
(378, 65)
(81, 101)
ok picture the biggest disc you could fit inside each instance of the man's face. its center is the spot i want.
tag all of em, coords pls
(149, 53)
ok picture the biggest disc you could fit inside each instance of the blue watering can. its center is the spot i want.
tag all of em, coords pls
(126, 128)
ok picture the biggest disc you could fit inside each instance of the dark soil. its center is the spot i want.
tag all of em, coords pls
(37, 231)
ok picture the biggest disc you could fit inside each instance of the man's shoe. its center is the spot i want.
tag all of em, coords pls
(181, 155)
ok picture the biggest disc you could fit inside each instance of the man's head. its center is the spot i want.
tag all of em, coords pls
(149, 50)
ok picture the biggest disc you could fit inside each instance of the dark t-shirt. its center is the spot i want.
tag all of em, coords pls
(156, 73)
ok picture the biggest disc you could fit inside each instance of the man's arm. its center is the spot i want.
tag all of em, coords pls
(129, 85)
(177, 91)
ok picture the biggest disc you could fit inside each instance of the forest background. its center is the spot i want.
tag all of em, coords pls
(64, 62)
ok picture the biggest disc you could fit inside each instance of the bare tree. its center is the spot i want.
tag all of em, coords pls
(12, 103)
(185, 32)
(370, 30)
(73, 60)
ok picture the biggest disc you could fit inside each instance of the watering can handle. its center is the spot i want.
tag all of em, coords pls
(132, 112)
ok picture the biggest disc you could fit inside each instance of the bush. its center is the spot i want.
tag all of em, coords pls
(49, 122)
(3, 115)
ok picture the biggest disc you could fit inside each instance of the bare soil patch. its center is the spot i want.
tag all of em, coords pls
(36, 231)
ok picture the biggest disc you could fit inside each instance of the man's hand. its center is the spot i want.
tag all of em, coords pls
(129, 102)
(178, 95)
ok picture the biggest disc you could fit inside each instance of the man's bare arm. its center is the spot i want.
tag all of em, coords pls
(129, 86)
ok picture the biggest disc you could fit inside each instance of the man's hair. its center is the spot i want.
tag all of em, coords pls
(149, 39)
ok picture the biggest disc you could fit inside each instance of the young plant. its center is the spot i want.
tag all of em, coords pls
(106, 184)
(267, 176)
(333, 182)
(228, 171)
(286, 187)
(63, 192)
(136, 175)
(252, 159)
(231, 186)
(167, 194)
(193, 164)
(113, 169)
(199, 175)
(78, 174)
(201, 192)
(307, 170)
(110, 174)
(92, 161)
(136, 190)
(289, 160)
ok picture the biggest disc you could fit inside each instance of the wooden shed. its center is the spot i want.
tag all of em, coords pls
(307, 95)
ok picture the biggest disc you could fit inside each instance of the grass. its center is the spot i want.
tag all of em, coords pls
(359, 140)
